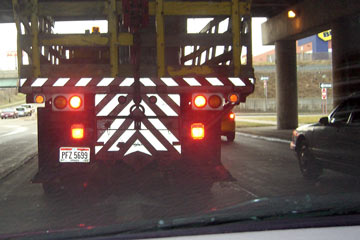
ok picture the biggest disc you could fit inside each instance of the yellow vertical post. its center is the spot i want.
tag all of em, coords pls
(35, 39)
(113, 30)
(236, 48)
(160, 39)
(18, 27)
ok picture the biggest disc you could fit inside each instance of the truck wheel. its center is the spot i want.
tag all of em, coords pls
(309, 167)
(230, 137)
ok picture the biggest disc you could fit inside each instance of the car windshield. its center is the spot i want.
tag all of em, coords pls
(121, 118)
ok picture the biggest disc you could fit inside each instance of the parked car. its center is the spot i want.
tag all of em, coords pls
(228, 126)
(22, 112)
(9, 113)
(29, 109)
(332, 143)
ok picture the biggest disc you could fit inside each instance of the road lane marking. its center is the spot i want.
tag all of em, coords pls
(237, 187)
(16, 131)
(270, 139)
(240, 119)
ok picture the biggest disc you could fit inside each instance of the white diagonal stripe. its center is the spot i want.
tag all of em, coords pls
(163, 130)
(237, 82)
(110, 106)
(61, 82)
(22, 81)
(39, 82)
(148, 111)
(153, 140)
(83, 82)
(175, 98)
(127, 82)
(110, 132)
(98, 98)
(192, 81)
(147, 82)
(105, 82)
(164, 106)
(137, 147)
(169, 82)
(123, 138)
(214, 81)
(97, 149)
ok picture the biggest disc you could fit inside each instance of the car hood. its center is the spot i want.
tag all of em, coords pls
(307, 127)
(253, 211)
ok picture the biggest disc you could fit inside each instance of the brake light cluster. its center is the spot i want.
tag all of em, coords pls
(206, 101)
(68, 102)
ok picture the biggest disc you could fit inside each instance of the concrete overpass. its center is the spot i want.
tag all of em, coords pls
(342, 16)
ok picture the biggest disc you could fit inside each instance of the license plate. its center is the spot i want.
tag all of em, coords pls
(74, 154)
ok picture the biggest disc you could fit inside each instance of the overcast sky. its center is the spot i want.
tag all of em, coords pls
(8, 43)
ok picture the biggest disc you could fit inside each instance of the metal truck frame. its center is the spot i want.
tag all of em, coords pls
(136, 83)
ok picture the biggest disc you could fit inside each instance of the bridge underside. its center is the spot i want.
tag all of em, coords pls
(342, 17)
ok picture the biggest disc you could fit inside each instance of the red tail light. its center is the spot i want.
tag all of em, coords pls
(200, 101)
(197, 131)
(77, 131)
(232, 115)
(215, 101)
(60, 102)
(75, 102)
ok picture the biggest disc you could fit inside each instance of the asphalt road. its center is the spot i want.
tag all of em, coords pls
(261, 167)
(18, 142)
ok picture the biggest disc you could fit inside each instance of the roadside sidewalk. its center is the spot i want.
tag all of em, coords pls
(268, 131)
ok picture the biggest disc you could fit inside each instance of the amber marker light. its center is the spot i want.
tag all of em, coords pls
(291, 14)
(39, 99)
(233, 98)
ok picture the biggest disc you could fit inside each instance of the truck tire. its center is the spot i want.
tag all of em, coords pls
(309, 167)
(230, 137)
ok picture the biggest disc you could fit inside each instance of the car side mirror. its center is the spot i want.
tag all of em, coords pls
(324, 121)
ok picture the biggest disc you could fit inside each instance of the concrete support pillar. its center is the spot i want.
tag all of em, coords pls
(345, 57)
(286, 85)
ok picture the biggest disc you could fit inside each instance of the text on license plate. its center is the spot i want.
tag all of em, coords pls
(74, 154)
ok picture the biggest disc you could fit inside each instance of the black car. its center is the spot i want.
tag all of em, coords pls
(332, 143)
